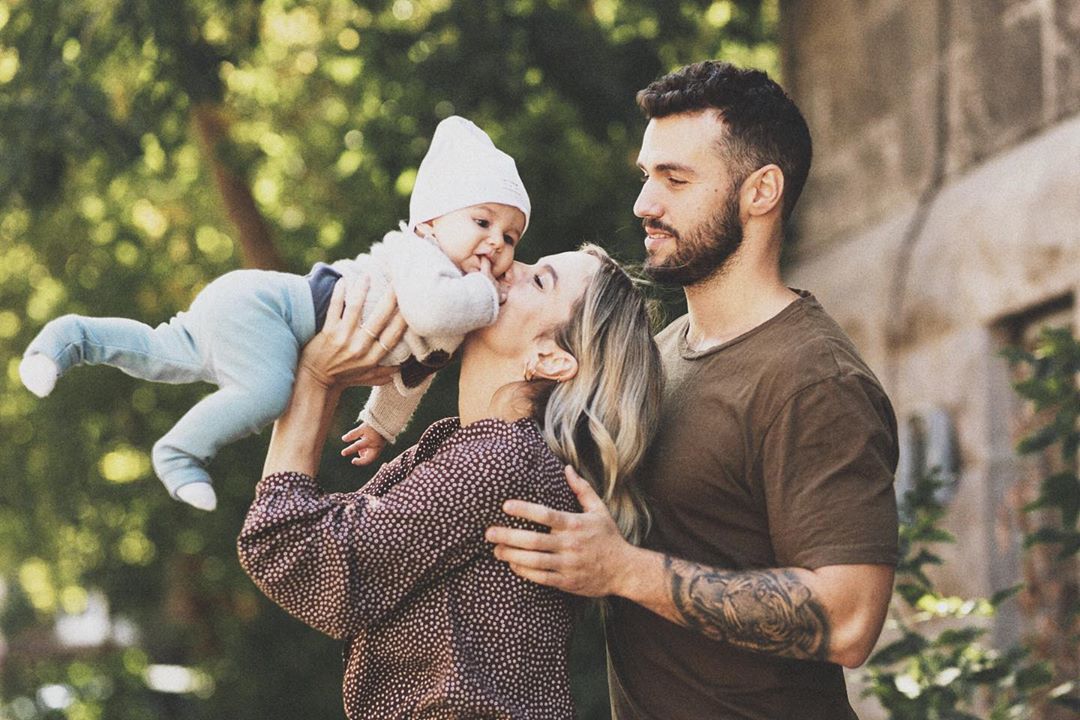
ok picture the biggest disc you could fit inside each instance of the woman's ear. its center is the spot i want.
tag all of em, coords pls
(551, 362)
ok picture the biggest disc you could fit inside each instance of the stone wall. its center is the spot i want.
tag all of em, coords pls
(941, 217)
(874, 77)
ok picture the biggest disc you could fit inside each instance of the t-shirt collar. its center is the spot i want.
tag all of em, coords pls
(797, 305)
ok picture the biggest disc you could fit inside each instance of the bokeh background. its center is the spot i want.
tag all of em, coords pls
(147, 146)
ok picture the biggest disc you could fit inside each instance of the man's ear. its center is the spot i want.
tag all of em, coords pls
(551, 362)
(763, 191)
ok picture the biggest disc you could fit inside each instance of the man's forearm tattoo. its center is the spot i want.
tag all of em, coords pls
(769, 611)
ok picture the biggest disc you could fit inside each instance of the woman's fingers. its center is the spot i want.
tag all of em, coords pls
(394, 330)
(337, 300)
(385, 326)
(348, 350)
(353, 313)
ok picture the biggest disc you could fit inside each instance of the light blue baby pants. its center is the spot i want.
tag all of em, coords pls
(243, 333)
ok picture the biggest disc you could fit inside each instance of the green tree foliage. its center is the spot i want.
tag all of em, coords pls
(147, 146)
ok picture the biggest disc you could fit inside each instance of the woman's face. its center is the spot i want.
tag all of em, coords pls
(539, 297)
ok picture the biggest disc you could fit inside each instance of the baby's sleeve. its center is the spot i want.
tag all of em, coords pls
(390, 407)
(434, 296)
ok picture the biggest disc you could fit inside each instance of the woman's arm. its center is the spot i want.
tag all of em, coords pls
(341, 562)
(344, 562)
(346, 352)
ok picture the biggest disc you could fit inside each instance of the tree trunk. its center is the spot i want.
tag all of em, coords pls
(256, 245)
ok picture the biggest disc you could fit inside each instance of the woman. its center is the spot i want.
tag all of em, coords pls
(437, 627)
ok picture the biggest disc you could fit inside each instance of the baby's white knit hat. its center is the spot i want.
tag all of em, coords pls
(462, 168)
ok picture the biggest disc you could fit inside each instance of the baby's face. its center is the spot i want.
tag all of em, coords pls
(491, 230)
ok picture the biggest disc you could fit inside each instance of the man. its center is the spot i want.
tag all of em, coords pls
(770, 560)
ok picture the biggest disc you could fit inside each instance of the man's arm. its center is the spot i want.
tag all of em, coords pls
(832, 613)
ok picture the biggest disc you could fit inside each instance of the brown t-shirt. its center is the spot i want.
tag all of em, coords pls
(776, 449)
(435, 626)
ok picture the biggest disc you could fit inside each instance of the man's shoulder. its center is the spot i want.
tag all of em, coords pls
(671, 332)
(817, 346)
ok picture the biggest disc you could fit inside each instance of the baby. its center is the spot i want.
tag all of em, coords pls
(245, 330)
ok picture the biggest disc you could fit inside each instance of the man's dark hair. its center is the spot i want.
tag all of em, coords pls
(762, 123)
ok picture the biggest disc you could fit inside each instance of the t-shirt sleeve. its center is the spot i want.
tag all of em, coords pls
(342, 562)
(828, 460)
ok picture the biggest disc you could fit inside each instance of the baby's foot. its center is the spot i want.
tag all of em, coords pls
(199, 495)
(38, 373)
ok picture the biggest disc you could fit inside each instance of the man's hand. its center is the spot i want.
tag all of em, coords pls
(365, 443)
(583, 554)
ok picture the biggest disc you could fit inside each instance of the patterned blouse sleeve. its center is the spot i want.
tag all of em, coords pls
(341, 562)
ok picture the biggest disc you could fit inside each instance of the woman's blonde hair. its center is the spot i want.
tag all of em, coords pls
(603, 419)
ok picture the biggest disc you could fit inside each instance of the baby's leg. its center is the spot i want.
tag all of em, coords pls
(166, 353)
(254, 363)
(222, 417)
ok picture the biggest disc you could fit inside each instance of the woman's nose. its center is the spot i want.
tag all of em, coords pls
(515, 271)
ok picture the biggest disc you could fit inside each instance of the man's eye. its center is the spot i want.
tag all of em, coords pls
(676, 181)
(483, 223)
(538, 281)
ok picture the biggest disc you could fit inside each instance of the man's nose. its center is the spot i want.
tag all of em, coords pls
(646, 204)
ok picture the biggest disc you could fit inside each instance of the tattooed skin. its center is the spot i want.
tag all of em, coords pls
(769, 611)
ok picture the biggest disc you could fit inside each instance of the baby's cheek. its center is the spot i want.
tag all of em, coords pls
(502, 263)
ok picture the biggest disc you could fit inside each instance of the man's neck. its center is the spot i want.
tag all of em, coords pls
(747, 294)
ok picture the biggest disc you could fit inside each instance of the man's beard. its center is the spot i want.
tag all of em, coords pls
(704, 253)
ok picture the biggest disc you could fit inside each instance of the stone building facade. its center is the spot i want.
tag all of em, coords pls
(940, 223)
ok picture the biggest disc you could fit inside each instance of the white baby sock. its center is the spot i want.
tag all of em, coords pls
(38, 373)
(199, 495)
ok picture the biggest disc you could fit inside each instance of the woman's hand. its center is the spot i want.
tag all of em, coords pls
(347, 351)
(343, 353)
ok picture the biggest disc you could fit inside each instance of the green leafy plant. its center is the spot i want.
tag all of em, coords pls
(937, 668)
(1048, 381)
(1050, 385)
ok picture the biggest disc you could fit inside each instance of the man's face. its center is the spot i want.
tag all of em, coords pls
(689, 204)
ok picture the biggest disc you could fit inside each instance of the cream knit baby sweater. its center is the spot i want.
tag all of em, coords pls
(439, 303)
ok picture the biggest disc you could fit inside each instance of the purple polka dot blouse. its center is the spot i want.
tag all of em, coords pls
(435, 626)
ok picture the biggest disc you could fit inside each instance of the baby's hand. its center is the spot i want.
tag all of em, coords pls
(365, 442)
(485, 270)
